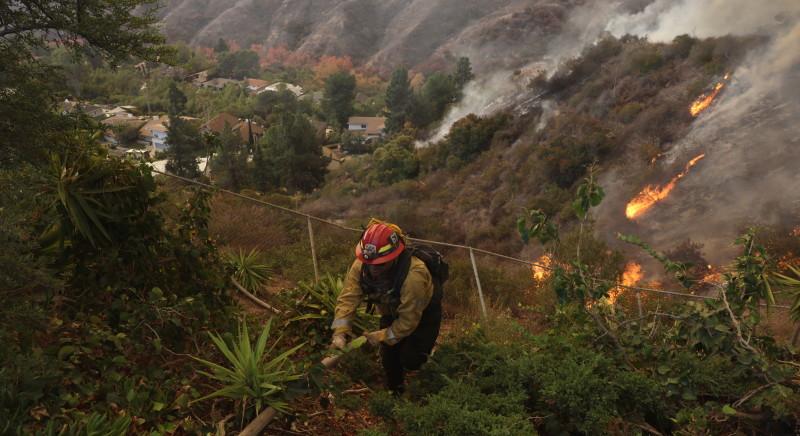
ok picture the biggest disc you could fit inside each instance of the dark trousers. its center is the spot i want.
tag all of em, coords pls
(412, 351)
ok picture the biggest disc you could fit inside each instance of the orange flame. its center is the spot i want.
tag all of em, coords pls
(704, 101)
(541, 270)
(651, 195)
(630, 277)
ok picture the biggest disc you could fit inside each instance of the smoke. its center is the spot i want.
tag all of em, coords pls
(506, 87)
(662, 20)
(750, 135)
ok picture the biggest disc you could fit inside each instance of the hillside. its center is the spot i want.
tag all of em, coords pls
(378, 34)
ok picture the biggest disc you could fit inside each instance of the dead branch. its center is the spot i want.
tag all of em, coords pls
(253, 298)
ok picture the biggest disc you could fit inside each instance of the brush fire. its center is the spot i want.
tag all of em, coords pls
(630, 277)
(704, 101)
(541, 269)
(651, 194)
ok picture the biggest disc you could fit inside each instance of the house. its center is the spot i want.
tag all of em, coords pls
(198, 78)
(117, 123)
(125, 111)
(369, 127)
(244, 128)
(253, 86)
(153, 134)
(219, 83)
(280, 86)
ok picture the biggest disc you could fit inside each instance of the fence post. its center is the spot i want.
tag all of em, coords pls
(477, 282)
(639, 302)
(313, 249)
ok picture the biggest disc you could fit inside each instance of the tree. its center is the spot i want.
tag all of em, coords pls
(221, 47)
(290, 156)
(395, 161)
(230, 165)
(340, 92)
(107, 29)
(398, 97)
(463, 72)
(237, 65)
(440, 91)
(185, 144)
(177, 100)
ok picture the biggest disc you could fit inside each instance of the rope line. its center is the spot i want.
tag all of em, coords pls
(439, 243)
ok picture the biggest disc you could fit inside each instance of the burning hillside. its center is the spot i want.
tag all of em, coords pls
(651, 194)
(704, 101)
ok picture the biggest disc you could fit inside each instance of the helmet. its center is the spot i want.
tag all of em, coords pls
(380, 243)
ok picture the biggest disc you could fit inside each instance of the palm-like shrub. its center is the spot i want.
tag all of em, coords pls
(317, 305)
(248, 269)
(249, 373)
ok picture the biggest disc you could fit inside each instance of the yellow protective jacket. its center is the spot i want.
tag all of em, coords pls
(415, 295)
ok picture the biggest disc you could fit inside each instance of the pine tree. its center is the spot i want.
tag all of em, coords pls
(340, 92)
(398, 97)
(290, 156)
(463, 72)
(183, 139)
(230, 166)
(177, 100)
(185, 144)
(221, 47)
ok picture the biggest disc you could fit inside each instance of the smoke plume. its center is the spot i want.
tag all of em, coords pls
(750, 136)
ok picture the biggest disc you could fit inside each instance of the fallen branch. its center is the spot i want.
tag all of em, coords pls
(356, 391)
(750, 394)
(254, 298)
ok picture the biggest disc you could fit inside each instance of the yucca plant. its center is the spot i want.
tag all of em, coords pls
(792, 284)
(250, 374)
(318, 304)
(92, 425)
(248, 269)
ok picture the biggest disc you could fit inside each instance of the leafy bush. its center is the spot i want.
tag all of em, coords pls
(468, 137)
(462, 409)
(394, 161)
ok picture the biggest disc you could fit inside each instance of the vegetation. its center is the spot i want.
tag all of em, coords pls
(111, 281)
(340, 91)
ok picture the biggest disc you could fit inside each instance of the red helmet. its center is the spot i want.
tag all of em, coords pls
(380, 243)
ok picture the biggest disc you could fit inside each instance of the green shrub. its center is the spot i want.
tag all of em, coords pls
(382, 404)
(646, 59)
(463, 409)
(392, 163)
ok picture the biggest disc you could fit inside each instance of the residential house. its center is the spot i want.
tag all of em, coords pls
(116, 123)
(219, 83)
(253, 86)
(120, 111)
(198, 78)
(280, 86)
(244, 128)
(369, 127)
(153, 134)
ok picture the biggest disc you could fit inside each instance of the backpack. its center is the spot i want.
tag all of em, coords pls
(434, 261)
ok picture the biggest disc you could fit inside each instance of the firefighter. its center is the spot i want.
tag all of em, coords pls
(397, 281)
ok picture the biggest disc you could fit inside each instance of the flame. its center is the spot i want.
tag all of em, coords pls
(704, 101)
(541, 270)
(651, 195)
(630, 277)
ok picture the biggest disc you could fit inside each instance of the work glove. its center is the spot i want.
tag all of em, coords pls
(376, 337)
(339, 341)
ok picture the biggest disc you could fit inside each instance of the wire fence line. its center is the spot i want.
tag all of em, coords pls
(471, 250)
